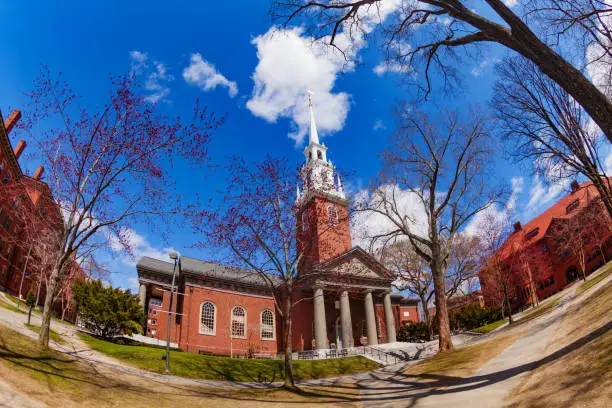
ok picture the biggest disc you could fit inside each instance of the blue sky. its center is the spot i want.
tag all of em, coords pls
(228, 55)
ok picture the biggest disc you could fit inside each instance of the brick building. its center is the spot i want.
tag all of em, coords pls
(551, 251)
(27, 210)
(344, 300)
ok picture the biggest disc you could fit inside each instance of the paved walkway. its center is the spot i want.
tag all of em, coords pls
(386, 387)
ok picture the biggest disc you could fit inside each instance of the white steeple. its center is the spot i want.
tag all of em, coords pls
(318, 172)
(314, 135)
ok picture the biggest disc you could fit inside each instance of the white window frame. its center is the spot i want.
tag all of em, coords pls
(214, 329)
(262, 325)
(244, 322)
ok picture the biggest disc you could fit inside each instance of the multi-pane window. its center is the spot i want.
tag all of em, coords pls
(267, 325)
(207, 318)
(332, 215)
(238, 322)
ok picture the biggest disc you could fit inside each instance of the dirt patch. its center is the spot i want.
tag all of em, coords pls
(579, 363)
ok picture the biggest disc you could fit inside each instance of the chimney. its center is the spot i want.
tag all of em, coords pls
(517, 226)
(19, 149)
(39, 172)
(575, 186)
(12, 120)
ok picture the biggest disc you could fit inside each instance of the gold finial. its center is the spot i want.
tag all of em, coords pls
(309, 98)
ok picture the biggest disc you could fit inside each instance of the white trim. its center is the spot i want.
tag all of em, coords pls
(214, 331)
(230, 291)
(273, 325)
(244, 322)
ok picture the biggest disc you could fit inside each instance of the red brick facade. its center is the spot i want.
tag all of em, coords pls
(545, 255)
(24, 202)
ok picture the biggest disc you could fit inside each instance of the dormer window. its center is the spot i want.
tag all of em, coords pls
(332, 215)
(572, 206)
(532, 233)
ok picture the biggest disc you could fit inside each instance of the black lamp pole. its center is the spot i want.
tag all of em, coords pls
(174, 256)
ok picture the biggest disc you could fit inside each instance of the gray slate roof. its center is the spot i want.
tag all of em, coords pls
(197, 267)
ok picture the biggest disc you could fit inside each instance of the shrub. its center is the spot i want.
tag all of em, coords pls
(473, 315)
(107, 311)
(413, 332)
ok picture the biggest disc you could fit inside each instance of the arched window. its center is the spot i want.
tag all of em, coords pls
(208, 318)
(238, 322)
(267, 325)
(309, 155)
(332, 215)
(319, 155)
(304, 221)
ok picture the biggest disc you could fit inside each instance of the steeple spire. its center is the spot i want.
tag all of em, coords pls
(314, 135)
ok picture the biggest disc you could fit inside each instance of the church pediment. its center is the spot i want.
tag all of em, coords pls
(354, 263)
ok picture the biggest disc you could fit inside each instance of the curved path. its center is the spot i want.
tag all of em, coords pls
(386, 387)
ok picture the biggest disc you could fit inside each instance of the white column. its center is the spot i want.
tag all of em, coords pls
(319, 319)
(345, 317)
(142, 294)
(370, 319)
(389, 320)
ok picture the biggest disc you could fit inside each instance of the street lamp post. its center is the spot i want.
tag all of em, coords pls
(175, 257)
(23, 273)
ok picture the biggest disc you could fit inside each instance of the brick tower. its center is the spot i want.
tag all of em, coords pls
(322, 208)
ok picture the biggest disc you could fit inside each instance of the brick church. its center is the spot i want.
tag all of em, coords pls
(346, 299)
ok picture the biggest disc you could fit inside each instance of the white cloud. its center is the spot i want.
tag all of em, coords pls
(511, 3)
(599, 60)
(541, 194)
(494, 212)
(477, 71)
(138, 246)
(291, 63)
(155, 73)
(378, 125)
(369, 224)
(134, 285)
(204, 75)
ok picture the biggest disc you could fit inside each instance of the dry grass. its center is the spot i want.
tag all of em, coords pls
(581, 375)
(464, 361)
(61, 381)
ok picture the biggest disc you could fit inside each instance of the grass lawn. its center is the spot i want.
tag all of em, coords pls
(606, 269)
(34, 310)
(464, 361)
(10, 307)
(580, 375)
(224, 368)
(62, 381)
(489, 327)
(53, 335)
(538, 311)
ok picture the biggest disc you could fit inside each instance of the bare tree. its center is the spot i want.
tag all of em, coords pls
(107, 167)
(442, 163)
(497, 279)
(413, 274)
(430, 32)
(547, 127)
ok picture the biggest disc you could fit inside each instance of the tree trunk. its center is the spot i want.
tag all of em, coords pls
(574, 82)
(289, 381)
(30, 314)
(510, 321)
(43, 336)
(427, 318)
(444, 335)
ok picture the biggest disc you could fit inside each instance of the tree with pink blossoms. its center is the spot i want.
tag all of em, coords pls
(108, 166)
